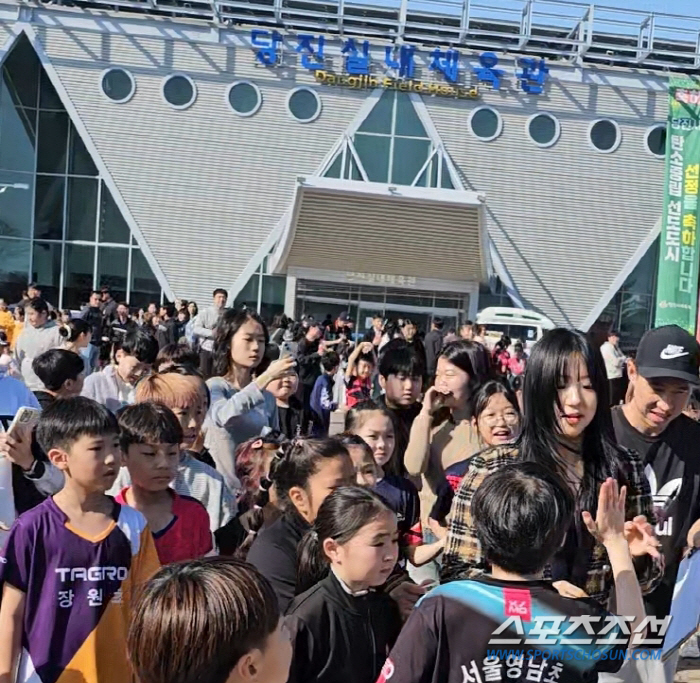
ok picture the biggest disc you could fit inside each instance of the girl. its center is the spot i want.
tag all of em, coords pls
(209, 621)
(373, 423)
(366, 470)
(240, 407)
(358, 374)
(341, 629)
(567, 427)
(257, 505)
(443, 432)
(303, 476)
(8, 365)
(77, 334)
(497, 421)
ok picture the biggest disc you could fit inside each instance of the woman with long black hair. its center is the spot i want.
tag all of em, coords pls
(567, 427)
(240, 407)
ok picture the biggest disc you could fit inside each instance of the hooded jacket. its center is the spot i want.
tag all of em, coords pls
(32, 342)
(338, 637)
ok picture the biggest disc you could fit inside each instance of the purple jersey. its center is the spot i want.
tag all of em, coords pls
(78, 593)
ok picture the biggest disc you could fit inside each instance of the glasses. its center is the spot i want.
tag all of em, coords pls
(491, 420)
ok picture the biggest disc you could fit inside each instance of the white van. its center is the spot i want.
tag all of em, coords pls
(519, 324)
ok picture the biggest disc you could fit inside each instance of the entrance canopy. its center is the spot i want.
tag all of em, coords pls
(397, 230)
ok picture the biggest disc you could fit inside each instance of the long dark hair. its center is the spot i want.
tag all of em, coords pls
(540, 436)
(230, 322)
(340, 517)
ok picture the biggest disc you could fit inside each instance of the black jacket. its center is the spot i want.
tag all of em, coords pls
(309, 361)
(167, 333)
(274, 555)
(295, 420)
(93, 317)
(433, 346)
(340, 638)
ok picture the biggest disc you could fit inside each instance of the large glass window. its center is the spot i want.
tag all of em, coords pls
(57, 217)
(16, 204)
(144, 286)
(14, 266)
(46, 268)
(392, 146)
(631, 310)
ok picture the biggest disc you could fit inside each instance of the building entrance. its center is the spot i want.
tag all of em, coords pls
(362, 302)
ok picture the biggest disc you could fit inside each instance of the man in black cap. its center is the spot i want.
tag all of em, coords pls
(652, 424)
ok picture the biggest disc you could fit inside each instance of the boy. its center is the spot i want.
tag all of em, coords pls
(187, 396)
(71, 565)
(114, 386)
(358, 374)
(150, 437)
(522, 515)
(401, 372)
(322, 404)
(62, 373)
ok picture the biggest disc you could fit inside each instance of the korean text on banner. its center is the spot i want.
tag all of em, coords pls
(677, 283)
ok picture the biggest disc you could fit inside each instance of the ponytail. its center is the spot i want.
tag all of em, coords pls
(297, 462)
(341, 516)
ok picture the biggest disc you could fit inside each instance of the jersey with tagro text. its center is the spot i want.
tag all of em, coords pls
(79, 593)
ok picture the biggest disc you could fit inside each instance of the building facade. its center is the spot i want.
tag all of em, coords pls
(406, 162)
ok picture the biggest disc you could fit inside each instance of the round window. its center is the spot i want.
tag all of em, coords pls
(304, 105)
(179, 91)
(604, 136)
(244, 98)
(118, 85)
(485, 123)
(543, 129)
(656, 141)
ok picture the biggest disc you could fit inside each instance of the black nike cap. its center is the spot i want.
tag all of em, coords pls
(669, 351)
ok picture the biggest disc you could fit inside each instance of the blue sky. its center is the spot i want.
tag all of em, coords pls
(687, 7)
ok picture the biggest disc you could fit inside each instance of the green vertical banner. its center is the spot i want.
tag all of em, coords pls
(677, 282)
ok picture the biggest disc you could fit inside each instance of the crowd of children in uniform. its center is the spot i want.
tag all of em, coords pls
(169, 530)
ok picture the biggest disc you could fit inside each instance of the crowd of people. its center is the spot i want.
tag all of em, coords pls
(181, 510)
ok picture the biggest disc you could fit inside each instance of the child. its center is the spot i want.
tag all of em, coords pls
(62, 373)
(321, 403)
(114, 386)
(373, 422)
(186, 396)
(211, 621)
(522, 514)
(362, 458)
(8, 365)
(401, 373)
(71, 565)
(150, 438)
(340, 627)
(358, 374)
(497, 419)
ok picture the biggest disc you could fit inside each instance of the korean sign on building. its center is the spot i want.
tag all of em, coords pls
(363, 65)
(677, 285)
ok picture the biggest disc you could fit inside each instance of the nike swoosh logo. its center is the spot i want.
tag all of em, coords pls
(665, 355)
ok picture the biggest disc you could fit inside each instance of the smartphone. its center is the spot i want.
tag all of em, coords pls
(25, 417)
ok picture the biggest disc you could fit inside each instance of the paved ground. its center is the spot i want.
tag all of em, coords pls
(688, 671)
